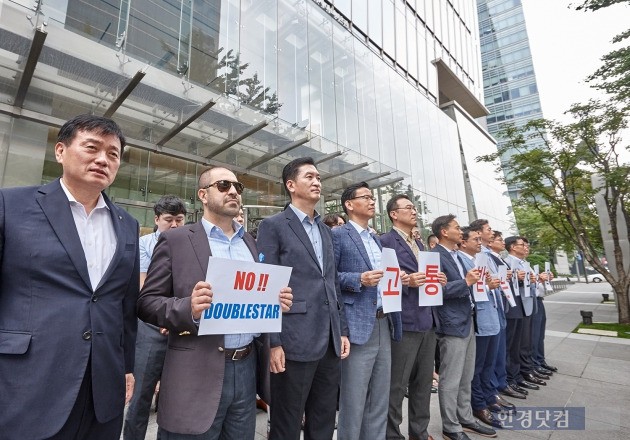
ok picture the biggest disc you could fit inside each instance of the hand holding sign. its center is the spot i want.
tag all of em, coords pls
(390, 283)
(371, 278)
(479, 288)
(200, 299)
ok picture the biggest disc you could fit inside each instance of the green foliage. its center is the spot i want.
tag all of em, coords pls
(556, 195)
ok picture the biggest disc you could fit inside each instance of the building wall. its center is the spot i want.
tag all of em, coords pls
(355, 78)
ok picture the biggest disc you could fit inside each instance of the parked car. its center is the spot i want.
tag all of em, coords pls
(595, 278)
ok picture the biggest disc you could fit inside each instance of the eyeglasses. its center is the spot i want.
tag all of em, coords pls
(365, 197)
(409, 207)
(225, 185)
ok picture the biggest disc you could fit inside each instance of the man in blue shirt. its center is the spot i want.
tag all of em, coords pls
(170, 212)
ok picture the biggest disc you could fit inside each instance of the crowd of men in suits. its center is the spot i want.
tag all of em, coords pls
(73, 353)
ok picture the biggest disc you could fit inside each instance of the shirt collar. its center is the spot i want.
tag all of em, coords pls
(470, 257)
(407, 237)
(359, 228)
(100, 203)
(450, 251)
(302, 215)
(211, 228)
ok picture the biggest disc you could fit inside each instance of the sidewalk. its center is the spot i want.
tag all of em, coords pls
(594, 373)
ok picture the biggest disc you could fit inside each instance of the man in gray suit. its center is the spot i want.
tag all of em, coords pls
(68, 287)
(365, 376)
(208, 385)
(305, 356)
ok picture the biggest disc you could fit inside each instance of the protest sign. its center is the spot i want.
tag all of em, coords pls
(527, 281)
(479, 288)
(548, 286)
(245, 297)
(430, 293)
(507, 292)
(390, 285)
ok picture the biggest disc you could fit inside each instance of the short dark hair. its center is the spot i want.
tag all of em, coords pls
(441, 223)
(432, 236)
(511, 241)
(392, 204)
(349, 193)
(478, 224)
(291, 170)
(331, 220)
(496, 234)
(169, 204)
(90, 123)
(466, 230)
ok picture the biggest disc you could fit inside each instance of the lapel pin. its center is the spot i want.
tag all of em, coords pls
(184, 333)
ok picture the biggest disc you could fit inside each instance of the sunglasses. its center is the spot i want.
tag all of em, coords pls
(225, 185)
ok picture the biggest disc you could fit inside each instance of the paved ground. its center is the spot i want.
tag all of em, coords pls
(594, 373)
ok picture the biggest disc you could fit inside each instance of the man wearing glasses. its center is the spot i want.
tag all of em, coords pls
(365, 375)
(208, 385)
(412, 357)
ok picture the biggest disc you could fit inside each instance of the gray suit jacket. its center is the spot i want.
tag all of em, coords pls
(317, 311)
(192, 378)
(52, 321)
(524, 305)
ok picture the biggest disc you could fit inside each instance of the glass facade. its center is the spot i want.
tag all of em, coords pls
(509, 81)
(248, 84)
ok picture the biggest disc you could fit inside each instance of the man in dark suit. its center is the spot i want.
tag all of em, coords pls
(456, 335)
(365, 376)
(208, 385)
(68, 287)
(305, 356)
(412, 357)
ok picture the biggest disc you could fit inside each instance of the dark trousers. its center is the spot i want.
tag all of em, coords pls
(527, 365)
(150, 354)
(481, 388)
(539, 322)
(499, 378)
(82, 423)
(513, 347)
(308, 388)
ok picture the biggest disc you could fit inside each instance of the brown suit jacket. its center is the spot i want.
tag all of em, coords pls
(192, 378)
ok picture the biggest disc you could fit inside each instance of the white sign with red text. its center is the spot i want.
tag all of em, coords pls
(505, 287)
(479, 288)
(548, 286)
(430, 293)
(391, 284)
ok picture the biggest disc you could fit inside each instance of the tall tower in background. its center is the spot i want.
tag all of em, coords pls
(509, 80)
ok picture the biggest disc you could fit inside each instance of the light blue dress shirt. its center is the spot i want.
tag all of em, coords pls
(312, 230)
(374, 254)
(147, 244)
(233, 248)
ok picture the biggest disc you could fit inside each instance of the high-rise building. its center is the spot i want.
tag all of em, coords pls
(385, 91)
(509, 80)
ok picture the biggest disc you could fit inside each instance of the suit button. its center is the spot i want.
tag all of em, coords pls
(221, 349)
(87, 335)
(374, 302)
(326, 302)
(94, 298)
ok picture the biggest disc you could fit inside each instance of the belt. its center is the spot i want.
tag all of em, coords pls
(237, 354)
(380, 314)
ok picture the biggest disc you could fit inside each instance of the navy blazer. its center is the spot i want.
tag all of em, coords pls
(317, 311)
(455, 314)
(360, 302)
(414, 317)
(52, 321)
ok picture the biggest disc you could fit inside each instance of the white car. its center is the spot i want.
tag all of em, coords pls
(595, 278)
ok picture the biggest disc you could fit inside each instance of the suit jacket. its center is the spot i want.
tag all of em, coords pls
(487, 313)
(505, 305)
(360, 302)
(455, 314)
(524, 305)
(317, 311)
(192, 377)
(48, 306)
(414, 317)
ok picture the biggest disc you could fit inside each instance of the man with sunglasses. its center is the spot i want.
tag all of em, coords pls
(208, 386)
(305, 356)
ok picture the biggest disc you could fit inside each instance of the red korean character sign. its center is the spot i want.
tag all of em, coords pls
(507, 292)
(480, 291)
(430, 293)
(391, 283)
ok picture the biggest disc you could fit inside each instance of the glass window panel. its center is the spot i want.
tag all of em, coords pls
(412, 50)
(401, 35)
(423, 59)
(360, 14)
(384, 111)
(366, 100)
(375, 16)
(323, 119)
(389, 34)
(399, 87)
(345, 89)
(204, 62)
(344, 6)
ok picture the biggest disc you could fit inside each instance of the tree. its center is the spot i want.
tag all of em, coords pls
(554, 181)
(614, 75)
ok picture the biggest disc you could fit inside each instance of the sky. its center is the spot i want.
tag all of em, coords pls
(566, 47)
